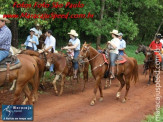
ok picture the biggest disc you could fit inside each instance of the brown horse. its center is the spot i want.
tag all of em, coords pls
(28, 73)
(41, 41)
(125, 72)
(150, 60)
(63, 68)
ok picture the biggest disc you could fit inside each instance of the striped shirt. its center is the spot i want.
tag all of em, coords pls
(5, 38)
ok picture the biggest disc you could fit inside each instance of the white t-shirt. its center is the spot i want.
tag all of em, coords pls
(50, 41)
(37, 32)
(116, 42)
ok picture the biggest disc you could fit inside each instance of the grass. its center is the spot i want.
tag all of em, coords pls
(152, 118)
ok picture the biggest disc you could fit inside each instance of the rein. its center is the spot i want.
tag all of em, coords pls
(94, 58)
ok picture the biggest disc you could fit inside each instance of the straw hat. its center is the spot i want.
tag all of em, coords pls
(114, 32)
(73, 32)
(5, 19)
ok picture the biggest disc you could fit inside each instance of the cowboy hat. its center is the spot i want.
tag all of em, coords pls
(73, 32)
(115, 32)
(4, 18)
(158, 35)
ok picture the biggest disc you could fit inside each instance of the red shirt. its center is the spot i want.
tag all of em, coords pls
(154, 45)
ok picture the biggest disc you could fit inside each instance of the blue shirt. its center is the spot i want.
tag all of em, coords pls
(35, 39)
(5, 38)
(74, 42)
(122, 45)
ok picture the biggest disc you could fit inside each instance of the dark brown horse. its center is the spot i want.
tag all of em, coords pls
(41, 41)
(28, 73)
(63, 68)
(125, 72)
(151, 60)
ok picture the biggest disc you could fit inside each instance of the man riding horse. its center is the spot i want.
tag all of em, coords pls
(156, 46)
(5, 38)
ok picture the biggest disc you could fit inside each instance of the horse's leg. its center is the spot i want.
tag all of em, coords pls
(101, 93)
(54, 84)
(127, 89)
(154, 78)
(18, 90)
(28, 95)
(121, 80)
(149, 77)
(98, 80)
(62, 84)
(85, 74)
(13, 85)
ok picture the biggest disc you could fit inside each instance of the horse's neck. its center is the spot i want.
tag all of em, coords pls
(93, 55)
(144, 50)
(58, 59)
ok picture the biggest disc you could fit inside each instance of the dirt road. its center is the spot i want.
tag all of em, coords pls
(75, 107)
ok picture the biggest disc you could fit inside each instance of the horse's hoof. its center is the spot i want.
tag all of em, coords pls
(124, 100)
(101, 99)
(92, 103)
(118, 95)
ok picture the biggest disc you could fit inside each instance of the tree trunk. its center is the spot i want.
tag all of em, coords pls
(119, 14)
(101, 18)
(158, 29)
(14, 30)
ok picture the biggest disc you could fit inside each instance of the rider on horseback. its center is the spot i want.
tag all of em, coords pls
(113, 53)
(5, 38)
(157, 45)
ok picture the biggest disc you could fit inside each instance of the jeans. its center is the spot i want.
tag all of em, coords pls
(3, 54)
(29, 48)
(113, 58)
(76, 53)
(51, 69)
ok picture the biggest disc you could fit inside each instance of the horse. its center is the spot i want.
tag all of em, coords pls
(152, 60)
(126, 72)
(63, 68)
(41, 41)
(27, 73)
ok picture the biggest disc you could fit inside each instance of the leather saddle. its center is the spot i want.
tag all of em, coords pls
(11, 62)
(120, 59)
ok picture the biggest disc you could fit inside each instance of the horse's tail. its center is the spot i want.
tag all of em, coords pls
(135, 72)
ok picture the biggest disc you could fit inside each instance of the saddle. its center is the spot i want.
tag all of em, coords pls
(9, 63)
(121, 59)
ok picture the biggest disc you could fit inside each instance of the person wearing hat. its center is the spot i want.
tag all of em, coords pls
(50, 45)
(76, 47)
(5, 38)
(37, 30)
(157, 45)
(115, 43)
(31, 41)
(122, 44)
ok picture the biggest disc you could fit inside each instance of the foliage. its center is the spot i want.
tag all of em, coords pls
(139, 20)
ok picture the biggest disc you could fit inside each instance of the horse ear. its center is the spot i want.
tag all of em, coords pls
(85, 42)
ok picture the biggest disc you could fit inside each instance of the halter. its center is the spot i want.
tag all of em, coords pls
(93, 58)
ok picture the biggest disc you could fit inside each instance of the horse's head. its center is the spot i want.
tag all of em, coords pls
(139, 49)
(84, 53)
(42, 38)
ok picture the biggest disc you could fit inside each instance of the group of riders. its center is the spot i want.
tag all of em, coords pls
(117, 43)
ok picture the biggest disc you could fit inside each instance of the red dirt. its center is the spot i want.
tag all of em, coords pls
(75, 107)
